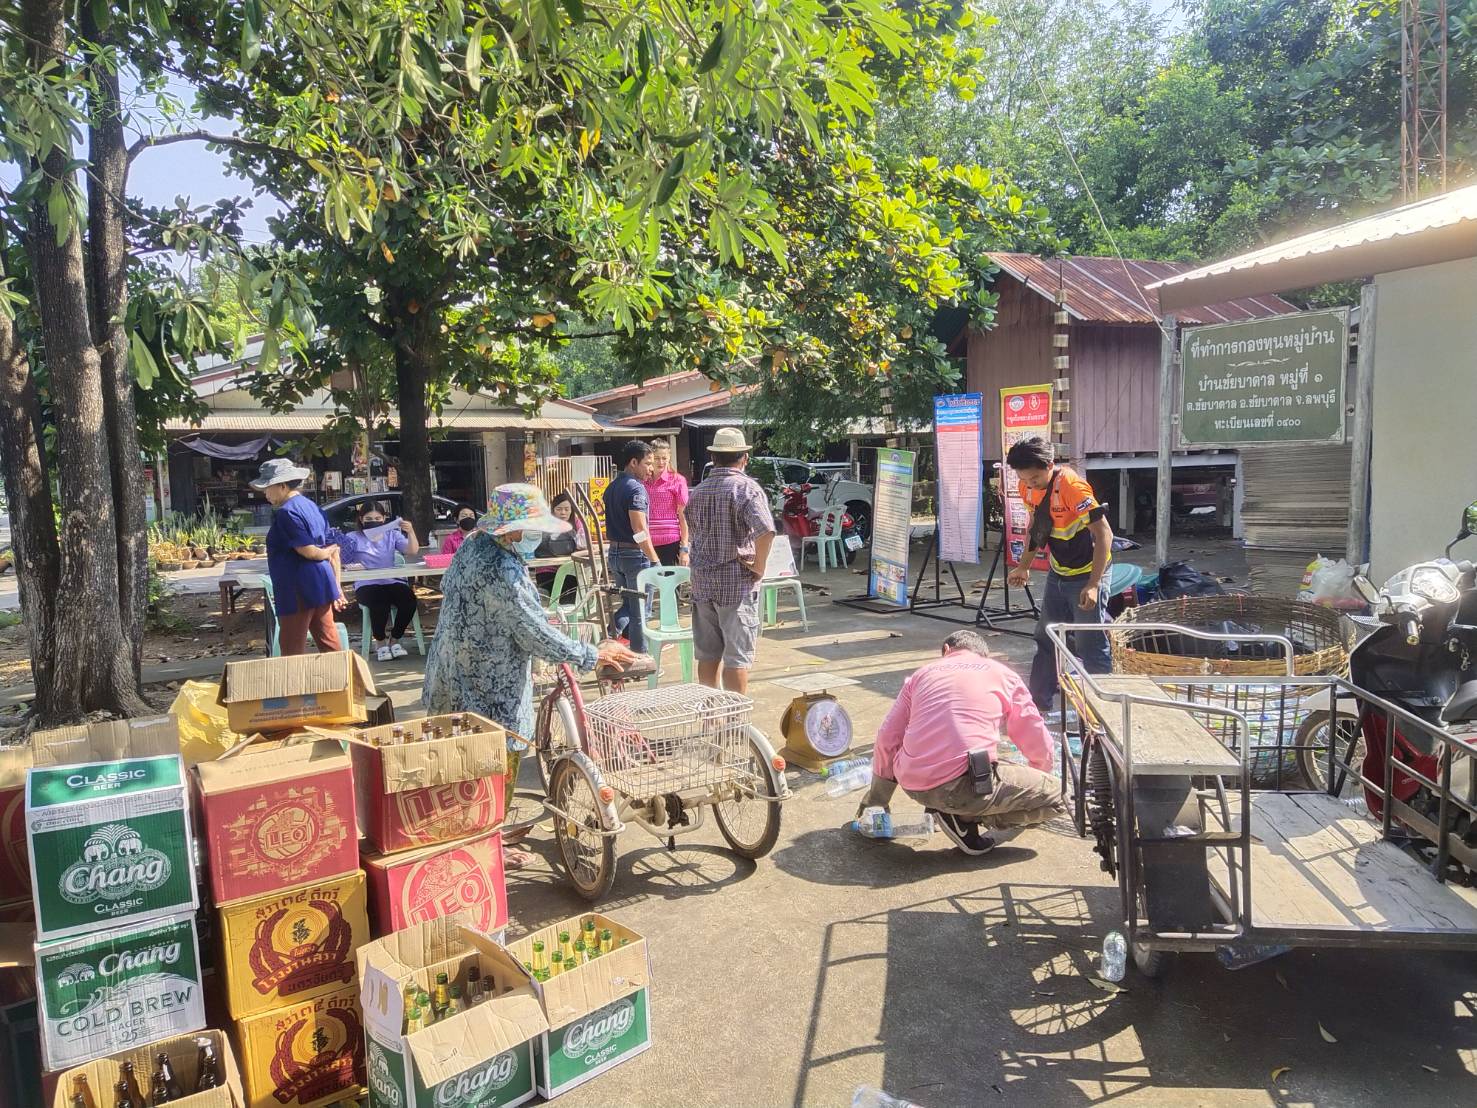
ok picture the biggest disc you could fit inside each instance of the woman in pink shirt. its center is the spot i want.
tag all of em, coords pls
(939, 743)
(466, 523)
(667, 517)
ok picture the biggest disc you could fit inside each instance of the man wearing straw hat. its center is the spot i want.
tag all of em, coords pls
(731, 530)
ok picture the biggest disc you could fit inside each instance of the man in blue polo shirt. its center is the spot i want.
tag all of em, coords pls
(631, 549)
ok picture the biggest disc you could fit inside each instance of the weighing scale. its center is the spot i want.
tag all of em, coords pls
(817, 731)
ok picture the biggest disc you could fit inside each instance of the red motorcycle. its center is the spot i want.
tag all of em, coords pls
(801, 521)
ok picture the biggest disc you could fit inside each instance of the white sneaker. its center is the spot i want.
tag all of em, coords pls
(384, 653)
(397, 651)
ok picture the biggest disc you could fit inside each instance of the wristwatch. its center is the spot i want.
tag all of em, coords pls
(683, 548)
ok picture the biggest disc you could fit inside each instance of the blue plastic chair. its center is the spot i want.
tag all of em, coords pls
(666, 580)
(830, 548)
(274, 648)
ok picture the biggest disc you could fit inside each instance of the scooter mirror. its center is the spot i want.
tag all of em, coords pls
(1365, 588)
(1469, 519)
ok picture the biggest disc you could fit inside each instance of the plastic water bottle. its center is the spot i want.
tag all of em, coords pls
(1115, 957)
(835, 769)
(869, 1096)
(858, 776)
(876, 823)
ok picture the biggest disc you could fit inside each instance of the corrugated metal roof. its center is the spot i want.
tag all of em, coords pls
(686, 407)
(1439, 229)
(622, 391)
(311, 422)
(1110, 290)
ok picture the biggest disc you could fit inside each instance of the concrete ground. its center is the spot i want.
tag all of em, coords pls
(838, 962)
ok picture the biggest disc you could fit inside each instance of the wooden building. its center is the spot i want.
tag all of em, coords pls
(1114, 344)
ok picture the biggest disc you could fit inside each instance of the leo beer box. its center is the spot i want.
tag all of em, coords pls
(277, 815)
(109, 844)
(114, 990)
(292, 946)
(15, 865)
(305, 1054)
(420, 885)
(422, 791)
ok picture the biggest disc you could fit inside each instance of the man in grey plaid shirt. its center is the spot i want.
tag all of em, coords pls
(732, 530)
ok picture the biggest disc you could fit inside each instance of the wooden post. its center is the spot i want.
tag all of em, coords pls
(1168, 355)
(1357, 550)
(1125, 501)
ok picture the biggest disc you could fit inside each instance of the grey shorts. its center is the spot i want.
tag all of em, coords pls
(726, 632)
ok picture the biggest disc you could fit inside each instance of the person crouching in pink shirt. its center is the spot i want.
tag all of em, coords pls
(938, 742)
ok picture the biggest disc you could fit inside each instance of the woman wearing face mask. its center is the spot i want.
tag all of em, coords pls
(466, 523)
(493, 624)
(378, 551)
(561, 546)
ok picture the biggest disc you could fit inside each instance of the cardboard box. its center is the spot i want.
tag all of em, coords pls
(288, 947)
(304, 1055)
(427, 791)
(109, 843)
(420, 885)
(20, 1054)
(18, 911)
(184, 1056)
(117, 990)
(277, 815)
(482, 1057)
(280, 694)
(15, 865)
(599, 1013)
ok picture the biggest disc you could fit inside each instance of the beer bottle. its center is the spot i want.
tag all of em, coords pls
(413, 1021)
(556, 964)
(397, 735)
(589, 930)
(207, 1068)
(171, 1083)
(455, 1004)
(566, 945)
(81, 1093)
(474, 984)
(442, 997)
(540, 958)
(122, 1096)
(607, 941)
(581, 953)
(135, 1091)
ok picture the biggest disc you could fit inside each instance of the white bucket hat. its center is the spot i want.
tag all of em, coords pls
(278, 471)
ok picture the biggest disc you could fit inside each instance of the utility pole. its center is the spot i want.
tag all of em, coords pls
(1422, 97)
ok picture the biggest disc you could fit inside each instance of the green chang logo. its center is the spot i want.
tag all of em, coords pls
(471, 1087)
(115, 864)
(381, 1081)
(91, 985)
(598, 1030)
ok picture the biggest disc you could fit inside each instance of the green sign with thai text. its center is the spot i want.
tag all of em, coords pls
(1274, 380)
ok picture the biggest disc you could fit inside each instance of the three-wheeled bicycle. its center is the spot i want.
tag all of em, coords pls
(1165, 785)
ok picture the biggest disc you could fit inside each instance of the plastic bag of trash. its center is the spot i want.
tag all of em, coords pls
(1330, 582)
(203, 734)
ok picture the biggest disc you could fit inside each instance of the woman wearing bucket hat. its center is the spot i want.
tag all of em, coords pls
(301, 561)
(493, 624)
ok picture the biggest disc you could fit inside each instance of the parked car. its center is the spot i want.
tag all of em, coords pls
(831, 485)
(344, 512)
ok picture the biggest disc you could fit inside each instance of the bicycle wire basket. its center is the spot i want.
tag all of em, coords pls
(651, 742)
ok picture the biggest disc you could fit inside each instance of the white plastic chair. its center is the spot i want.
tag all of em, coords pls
(830, 548)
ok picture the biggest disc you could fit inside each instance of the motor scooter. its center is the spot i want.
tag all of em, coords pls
(800, 520)
(1422, 657)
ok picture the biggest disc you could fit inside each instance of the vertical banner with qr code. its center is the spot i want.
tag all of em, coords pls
(892, 520)
(1025, 412)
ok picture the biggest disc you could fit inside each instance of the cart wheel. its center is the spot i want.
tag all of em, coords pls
(1097, 800)
(1150, 963)
(588, 855)
(1312, 739)
(751, 824)
(557, 734)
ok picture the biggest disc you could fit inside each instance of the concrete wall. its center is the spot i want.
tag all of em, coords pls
(1423, 469)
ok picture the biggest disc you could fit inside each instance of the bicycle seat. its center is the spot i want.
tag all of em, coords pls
(641, 667)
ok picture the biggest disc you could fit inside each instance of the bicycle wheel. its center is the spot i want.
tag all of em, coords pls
(1312, 740)
(588, 855)
(557, 734)
(751, 824)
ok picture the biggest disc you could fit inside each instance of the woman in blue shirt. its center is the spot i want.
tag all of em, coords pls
(301, 560)
(378, 551)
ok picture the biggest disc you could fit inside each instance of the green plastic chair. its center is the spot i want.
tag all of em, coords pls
(366, 634)
(666, 580)
(1121, 577)
(830, 549)
(274, 648)
(770, 590)
(561, 578)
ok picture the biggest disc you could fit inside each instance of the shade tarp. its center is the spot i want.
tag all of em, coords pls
(231, 452)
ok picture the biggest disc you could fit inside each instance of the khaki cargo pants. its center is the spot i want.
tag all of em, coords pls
(1023, 797)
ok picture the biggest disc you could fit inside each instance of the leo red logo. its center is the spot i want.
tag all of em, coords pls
(15, 866)
(448, 883)
(446, 811)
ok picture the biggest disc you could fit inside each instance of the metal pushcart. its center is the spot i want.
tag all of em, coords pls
(1166, 787)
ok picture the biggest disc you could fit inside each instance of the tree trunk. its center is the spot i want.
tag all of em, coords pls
(37, 561)
(93, 662)
(106, 187)
(413, 354)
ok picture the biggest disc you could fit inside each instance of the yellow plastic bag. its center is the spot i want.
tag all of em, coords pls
(203, 734)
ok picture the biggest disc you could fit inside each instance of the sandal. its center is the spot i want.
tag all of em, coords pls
(516, 859)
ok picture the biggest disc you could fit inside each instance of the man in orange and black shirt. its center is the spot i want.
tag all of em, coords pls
(1078, 541)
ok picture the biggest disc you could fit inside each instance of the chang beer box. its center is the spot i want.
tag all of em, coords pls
(599, 1013)
(116, 990)
(480, 1058)
(109, 844)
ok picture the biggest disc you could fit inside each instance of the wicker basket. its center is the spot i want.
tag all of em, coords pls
(1317, 634)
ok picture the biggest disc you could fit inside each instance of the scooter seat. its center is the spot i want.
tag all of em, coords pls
(1462, 707)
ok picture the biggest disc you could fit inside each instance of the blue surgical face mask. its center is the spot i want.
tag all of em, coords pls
(528, 544)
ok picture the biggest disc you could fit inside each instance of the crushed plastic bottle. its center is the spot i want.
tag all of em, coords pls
(1115, 957)
(876, 823)
(835, 769)
(858, 776)
(869, 1096)
(1248, 954)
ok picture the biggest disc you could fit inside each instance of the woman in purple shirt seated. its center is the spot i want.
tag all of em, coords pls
(380, 595)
